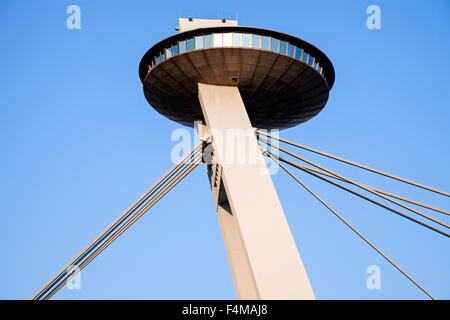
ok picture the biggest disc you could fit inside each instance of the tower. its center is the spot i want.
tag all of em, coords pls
(232, 82)
(234, 79)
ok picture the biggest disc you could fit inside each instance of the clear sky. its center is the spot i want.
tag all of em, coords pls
(79, 143)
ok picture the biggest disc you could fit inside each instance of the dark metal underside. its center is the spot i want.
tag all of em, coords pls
(278, 91)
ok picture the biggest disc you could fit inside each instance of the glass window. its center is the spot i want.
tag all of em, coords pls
(256, 41)
(182, 46)
(237, 39)
(265, 43)
(316, 65)
(157, 60)
(227, 39)
(298, 53)
(305, 57)
(163, 57)
(310, 60)
(291, 50)
(217, 39)
(190, 44)
(283, 47)
(275, 45)
(175, 50)
(320, 69)
(208, 41)
(247, 40)
(199, 42)
(168, 53)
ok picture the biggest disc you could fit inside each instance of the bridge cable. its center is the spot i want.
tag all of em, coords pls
(294, 164)
(364, 188)
(353, 163)
(380, 191)
(113, 225)
(123, 228)
(164, 184)
(350, 226)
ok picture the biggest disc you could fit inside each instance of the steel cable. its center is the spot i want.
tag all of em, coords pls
(352, 228)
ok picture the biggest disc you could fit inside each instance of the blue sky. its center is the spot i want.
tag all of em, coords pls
(79, 143)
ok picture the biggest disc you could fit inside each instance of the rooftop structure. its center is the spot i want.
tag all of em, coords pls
(186, 24)
(283, 80)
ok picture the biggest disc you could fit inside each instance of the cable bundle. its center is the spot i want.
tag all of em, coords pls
(123, 222)
(320, 172)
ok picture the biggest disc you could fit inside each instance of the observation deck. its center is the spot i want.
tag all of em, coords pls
(283, 80)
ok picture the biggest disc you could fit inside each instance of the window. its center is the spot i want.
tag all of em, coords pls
(256, 41)
(168, 53)
(182, 46)
(247, 40)
(227, 39)
(199, 42)
(291, 50)
(283, 47)
(275, 45)
(265, 43)
(190, 44)
(218, 39)
(305, 57)
(298, 53)
(208, 41)
(237, 39)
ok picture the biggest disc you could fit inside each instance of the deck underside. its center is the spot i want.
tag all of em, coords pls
(278, 91)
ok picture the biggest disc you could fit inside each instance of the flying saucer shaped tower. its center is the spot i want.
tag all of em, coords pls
(235, 79)
(282, 79)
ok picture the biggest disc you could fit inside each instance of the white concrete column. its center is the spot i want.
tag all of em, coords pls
(262, 252)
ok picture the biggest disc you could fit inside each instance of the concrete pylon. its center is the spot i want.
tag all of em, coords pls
(263, 256)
